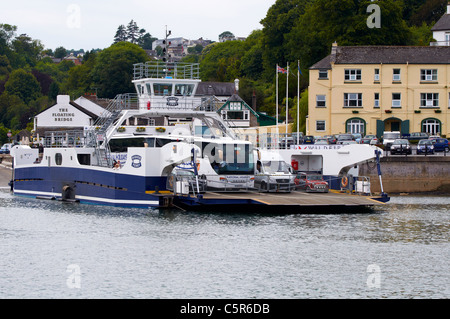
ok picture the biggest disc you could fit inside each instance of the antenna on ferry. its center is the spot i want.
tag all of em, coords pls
(166, 47)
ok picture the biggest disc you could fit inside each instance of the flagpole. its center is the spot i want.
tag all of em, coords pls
(298, 103)
(287, 105)
(277, 102)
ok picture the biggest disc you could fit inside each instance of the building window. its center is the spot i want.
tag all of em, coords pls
(323, 74)
(235, 106)
(353, 75)
(428, 75)
(377, 100)
(396, 100)
(321, 101)
(429, 99)
(396, 75)
(431, 126)
(320, 126)
(355, 126)
(352, 99)
(376, 77)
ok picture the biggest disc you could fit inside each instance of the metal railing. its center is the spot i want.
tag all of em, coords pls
(159, 70)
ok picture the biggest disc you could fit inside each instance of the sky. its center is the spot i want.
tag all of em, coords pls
(92, 24)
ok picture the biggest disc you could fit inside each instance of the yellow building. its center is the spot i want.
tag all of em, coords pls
(372, 89)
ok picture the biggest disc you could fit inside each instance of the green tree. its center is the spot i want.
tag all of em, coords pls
(24, 85)
(221, 62)
(121, 34)
(113, 70)
(343, 21)
(60, 52)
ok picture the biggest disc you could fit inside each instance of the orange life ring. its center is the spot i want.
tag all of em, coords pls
(344, 181)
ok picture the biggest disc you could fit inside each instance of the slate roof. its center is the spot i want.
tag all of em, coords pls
(386, 55)
(442, 24)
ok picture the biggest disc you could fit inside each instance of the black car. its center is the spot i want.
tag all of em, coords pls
(308, 139)
(401, 146)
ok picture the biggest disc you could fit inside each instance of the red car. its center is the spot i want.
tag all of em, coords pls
(311, 183)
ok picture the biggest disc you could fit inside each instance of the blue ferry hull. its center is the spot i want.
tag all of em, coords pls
(88, 186)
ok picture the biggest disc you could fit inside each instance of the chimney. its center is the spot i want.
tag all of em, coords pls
(448, 7)
(334, 51)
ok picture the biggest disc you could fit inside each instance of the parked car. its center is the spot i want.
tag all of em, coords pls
(286, 140)
(365, 140)
(308, 139)
(401, 146)
(417, 136)
(440, 144)
(273, 174)
(374, 139)
(300, 137)
(321, 141)
(345, 137)
(357, 137)
(331, 139)
(311, 182)
(6, 148)
(425, 147)
(389, 137)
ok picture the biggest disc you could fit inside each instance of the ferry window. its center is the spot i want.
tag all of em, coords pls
(184, 89)
(162, 89)
(84, 159)
(149, 90)
(58, 158)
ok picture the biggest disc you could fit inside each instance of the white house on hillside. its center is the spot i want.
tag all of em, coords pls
(441, 30)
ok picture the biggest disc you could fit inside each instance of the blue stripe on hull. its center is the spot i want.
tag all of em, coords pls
(90, 185)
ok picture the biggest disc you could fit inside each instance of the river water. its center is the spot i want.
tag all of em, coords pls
(51, 249)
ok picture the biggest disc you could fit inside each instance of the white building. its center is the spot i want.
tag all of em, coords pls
(65, 115)
(441, 30)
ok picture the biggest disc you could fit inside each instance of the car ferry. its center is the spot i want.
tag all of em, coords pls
(187, 159)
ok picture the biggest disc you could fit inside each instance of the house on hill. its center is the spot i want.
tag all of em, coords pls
(441, 30)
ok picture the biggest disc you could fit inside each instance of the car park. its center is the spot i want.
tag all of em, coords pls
(425, 147)
(311, 183)
(440, 144)
(400, 146)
